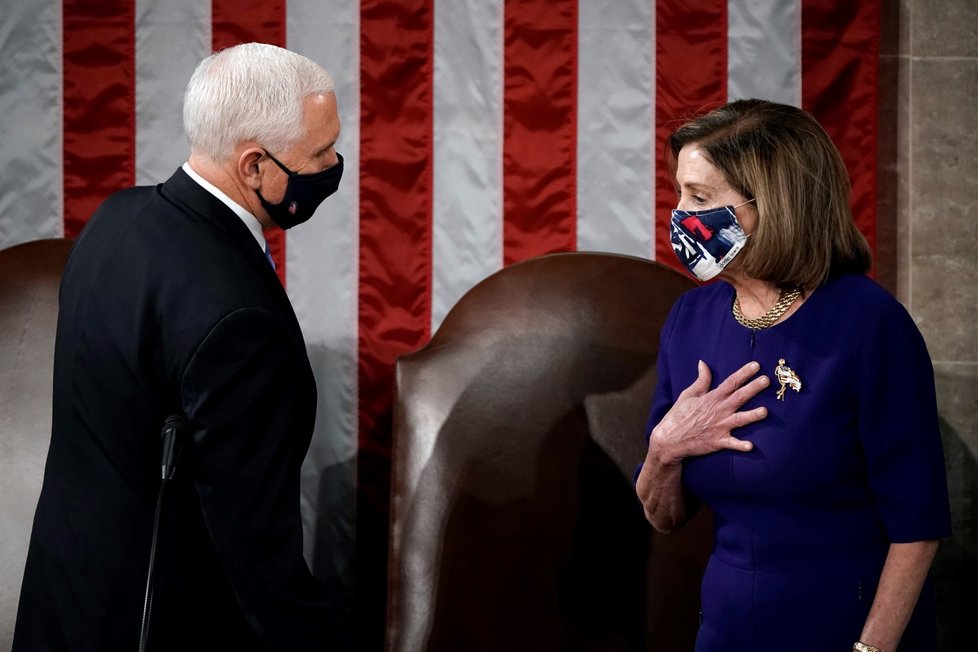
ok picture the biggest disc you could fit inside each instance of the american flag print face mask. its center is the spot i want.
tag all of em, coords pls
(706, 241)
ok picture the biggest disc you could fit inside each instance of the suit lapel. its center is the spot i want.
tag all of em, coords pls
(190, 196)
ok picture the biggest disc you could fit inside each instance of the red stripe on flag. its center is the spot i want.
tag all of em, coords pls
(540, 128)
(99, 63)
(690, 77)
(394, 312)
(840, 78)
(396, 91)
(246, 21)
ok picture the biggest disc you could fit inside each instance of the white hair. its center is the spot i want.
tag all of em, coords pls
(252, 91)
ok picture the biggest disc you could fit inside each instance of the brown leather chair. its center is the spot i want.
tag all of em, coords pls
(30, 275)
(518, 428)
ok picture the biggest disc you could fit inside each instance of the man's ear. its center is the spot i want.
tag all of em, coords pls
(248, 168)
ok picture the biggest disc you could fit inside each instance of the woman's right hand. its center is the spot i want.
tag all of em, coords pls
(700, 422)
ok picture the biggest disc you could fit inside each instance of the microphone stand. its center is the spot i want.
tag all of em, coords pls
(171, 450)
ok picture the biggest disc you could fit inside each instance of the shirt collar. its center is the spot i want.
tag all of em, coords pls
(250, 221)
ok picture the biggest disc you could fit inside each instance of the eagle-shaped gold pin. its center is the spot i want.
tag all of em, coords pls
(787, 378)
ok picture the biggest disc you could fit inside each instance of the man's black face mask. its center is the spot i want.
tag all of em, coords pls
(303, 194)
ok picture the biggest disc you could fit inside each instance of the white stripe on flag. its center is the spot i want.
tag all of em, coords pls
(321, 268)
(614, 127)
(31, 186)
(467, 189)
(764, 50)
(171, 39)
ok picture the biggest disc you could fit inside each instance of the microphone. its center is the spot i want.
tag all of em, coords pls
(171, 450)
(171, 428)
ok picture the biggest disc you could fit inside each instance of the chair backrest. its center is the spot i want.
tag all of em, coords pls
(517, 431)
(30, 275)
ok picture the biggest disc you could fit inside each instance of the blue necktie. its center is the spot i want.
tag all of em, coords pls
(268, 255)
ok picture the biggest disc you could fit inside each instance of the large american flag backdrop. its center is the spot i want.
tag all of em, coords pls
(477, 133)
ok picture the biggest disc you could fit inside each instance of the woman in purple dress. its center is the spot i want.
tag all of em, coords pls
(795, 398)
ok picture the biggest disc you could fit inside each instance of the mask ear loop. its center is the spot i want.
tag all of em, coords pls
(280, 164)
(734, 211)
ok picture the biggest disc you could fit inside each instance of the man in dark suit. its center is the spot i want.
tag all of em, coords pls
(170, 306)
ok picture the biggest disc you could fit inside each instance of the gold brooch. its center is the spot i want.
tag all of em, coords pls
(787, 378)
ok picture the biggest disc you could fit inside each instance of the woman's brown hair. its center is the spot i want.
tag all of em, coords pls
(780, 156)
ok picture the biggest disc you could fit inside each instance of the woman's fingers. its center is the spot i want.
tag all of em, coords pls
(738, 386)
(703, 378)
(749, 391)
(741, 419)
(738, 378)
(736, 444)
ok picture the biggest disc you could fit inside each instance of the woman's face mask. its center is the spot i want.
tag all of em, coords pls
(706, 241)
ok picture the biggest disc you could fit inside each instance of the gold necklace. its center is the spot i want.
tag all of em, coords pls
(785, 299)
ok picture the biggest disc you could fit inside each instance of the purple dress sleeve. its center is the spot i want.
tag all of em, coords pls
(899, 427)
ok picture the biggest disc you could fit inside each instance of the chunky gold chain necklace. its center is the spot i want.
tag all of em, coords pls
(785, 299)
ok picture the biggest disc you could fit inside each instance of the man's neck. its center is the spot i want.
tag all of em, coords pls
(220, 177)
(239, 208)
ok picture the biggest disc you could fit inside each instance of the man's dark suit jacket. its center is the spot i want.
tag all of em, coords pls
(168, 305)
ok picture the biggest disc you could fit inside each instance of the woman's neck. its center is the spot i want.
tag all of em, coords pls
(756, 297)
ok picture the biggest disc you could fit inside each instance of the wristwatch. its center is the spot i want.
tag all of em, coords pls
(859, 646)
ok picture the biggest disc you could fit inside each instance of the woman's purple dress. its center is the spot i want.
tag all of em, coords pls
(842, 467)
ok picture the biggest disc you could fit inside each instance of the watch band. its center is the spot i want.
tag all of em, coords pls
(859, 646)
